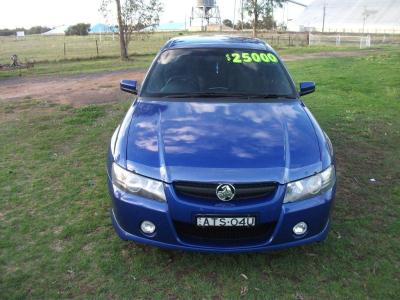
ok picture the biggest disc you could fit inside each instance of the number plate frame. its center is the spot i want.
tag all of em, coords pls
(207, 221)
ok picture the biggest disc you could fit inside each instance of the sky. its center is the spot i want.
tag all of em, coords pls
(28, 13)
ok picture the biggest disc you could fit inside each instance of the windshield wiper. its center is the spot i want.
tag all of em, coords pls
(230, 95)
(204, 95)
(271, 96)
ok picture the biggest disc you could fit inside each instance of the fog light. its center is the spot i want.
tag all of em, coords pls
(148, 227)
(300, 228)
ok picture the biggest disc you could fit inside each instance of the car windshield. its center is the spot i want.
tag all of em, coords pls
(218, 73)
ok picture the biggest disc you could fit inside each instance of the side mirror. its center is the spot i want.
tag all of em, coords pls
(128, 86)
(307, 87)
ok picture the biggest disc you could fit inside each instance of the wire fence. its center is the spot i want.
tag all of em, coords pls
(359, 31)
(363, 41)
(290, 39)
(38, 48)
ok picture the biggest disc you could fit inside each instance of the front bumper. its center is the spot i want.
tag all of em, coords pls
(129, 211)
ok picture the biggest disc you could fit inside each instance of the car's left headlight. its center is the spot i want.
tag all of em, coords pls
(138, 185)
(310, 186)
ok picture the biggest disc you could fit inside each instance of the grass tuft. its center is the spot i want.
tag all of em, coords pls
(86, 115)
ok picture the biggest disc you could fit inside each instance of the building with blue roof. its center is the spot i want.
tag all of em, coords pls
(103, 28)
(170, 26)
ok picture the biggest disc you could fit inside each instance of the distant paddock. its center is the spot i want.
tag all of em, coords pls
(40, 48)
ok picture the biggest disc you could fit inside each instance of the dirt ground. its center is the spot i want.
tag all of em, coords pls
(77, 90)
(99, 87)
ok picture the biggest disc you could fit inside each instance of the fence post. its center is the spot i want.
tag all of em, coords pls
(65, 50)
(97, 48)
(338, 42)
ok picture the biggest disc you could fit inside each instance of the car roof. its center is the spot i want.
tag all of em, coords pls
(216, 41)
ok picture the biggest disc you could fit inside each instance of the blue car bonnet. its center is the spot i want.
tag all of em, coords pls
(220, 141)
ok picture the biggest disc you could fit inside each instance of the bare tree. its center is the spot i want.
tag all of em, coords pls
(133, 16)
(261, 8)
(122, 40)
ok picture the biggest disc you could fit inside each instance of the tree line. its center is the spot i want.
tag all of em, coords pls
(267, 23)
(78, 29)
(32, 30)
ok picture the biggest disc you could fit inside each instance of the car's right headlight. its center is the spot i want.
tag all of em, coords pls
(310, 186)
(138, 185)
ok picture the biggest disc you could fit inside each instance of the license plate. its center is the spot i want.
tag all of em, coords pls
(225, 221)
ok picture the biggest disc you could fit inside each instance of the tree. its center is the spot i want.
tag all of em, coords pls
(267, 22)
(78, 29)
(7, 32)
(263, 9)
(244, 25)
(32, 30)
(133, 16)
(227, 23)
(38, 29)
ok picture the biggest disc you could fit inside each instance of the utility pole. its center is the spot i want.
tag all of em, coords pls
(242, 9)
(323, 17)
(234, 16)
(255, 21)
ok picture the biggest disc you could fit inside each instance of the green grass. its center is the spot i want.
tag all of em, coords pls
(81, 56)
(57, 240)
(139, 62)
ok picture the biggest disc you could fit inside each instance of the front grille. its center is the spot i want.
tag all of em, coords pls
(243, 191)
(191, 232)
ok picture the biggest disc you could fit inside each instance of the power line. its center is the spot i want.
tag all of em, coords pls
(296, 2)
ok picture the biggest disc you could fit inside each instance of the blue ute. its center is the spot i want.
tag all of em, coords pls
(218, 153)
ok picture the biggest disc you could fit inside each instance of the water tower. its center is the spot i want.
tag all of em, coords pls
(207, 11)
